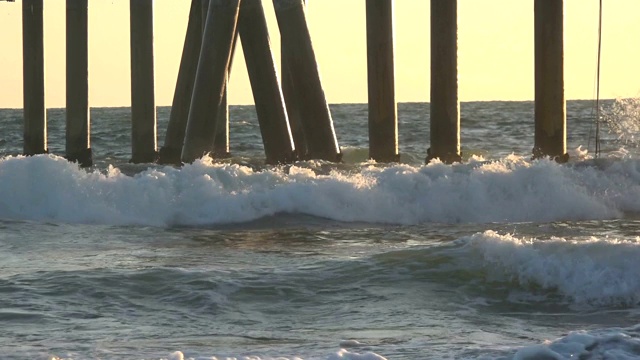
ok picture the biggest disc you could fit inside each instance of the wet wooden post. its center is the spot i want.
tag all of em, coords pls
(78, 142)
(174, 139)
(445, 106)
(383, 115)
(305, 80)
(212, 71)
(292, 102)
(270, 107)
(35, 111)
(550, 107)
(143, 108)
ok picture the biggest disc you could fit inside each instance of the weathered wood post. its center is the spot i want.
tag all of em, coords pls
(383, 115)
(445, 107)
(174, 139)
(212, 71)
(78, 125)
(305, 80)
(292, 101)
(35, 111)
(143, 108)
(550, 107)
(270, 107)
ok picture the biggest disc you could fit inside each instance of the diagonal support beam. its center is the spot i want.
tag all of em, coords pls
(174, 138)
(315, 116)
(211, 75)
(267, 95)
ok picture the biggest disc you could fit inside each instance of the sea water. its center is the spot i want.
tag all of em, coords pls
(499, 257)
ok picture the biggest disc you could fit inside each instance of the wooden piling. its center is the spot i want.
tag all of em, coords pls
(143, 109)
(174, 139)
(305, 80)
(204, 12)
(270, 107)
(212, 71)
(78, 125)
(445, 106)
(383, 115)
(35, 111)
(550, 106)
(219, 146)
(292, 102)
(218, 128)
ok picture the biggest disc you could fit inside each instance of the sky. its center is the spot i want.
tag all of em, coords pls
(495, 50)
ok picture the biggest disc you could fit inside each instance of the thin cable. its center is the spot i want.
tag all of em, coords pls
(597, 153)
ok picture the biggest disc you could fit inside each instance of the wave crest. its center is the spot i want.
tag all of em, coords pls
(48, 188)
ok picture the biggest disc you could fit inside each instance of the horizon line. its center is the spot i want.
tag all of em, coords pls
(333, 103)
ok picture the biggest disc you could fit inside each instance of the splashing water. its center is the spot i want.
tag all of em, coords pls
(623, 120)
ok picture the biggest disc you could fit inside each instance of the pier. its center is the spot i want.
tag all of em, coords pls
(294, 117)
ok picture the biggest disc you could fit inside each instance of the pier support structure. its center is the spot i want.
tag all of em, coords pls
(174, 138)
(219, 146)
(78, 125)
(550, 107)
(143, 108)
(383, 115)
(445, 106)
(292, 101)
(315, 117)
(35, 111)
(267, 95)
(213, 66)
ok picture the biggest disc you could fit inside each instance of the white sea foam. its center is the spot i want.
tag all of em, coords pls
(622, 344)
(589, 272)
(346, 355)
(614, 343)
(48, 188)
(340, 355)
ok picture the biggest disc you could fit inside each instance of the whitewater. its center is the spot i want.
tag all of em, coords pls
(513, 189)
(498, 257)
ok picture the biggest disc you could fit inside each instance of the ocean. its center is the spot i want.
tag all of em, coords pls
(498, 257)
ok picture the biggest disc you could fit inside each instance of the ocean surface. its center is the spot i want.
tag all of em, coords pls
(499, 257)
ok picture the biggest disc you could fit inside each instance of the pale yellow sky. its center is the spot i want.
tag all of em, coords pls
(495, 50)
